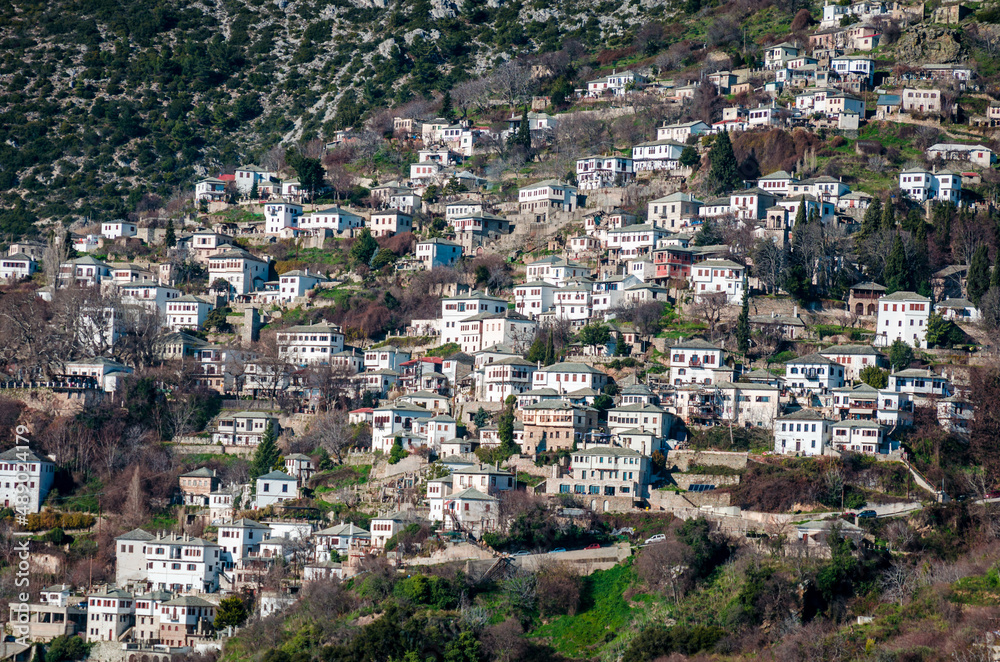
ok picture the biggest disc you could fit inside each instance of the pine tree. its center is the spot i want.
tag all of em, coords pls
(723, 176)
(979, 274)
(888, 215)
(364, 247)
(254, 191)
(171, 237)
(743, 325)
(550, 350)
(267, 455)
(897, 272)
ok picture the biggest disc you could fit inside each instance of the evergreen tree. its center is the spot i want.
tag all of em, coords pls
(171, 237)
(900, 355)
(897, 271)
(995, 276)
(689, 157)
(743, 325)
(505, 427)
(550, 350)
(524, 131)
(872, 219)
(800, 216)
(724, 175)
(447, 111)
(254, 191)
(364, 247)
(536, 353)
(874, 376)
(888, 215)
(231, 612)
(267, 455)
(979, 274)
(813, 216)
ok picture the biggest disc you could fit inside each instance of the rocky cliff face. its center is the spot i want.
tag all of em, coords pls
(928, 45)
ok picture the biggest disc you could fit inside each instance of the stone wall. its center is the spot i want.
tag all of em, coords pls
(670, 500)
(684, 460)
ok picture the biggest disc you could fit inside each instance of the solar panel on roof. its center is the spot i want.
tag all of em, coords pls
(700, 488)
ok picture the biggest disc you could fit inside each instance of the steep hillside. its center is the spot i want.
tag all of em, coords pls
(103, 102)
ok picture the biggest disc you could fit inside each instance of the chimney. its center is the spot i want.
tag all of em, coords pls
(795, 311)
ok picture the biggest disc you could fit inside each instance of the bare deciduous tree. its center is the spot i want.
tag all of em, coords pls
(709, 307)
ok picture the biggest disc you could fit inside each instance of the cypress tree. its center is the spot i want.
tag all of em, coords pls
(550, 351)
(995, 276)
(800, 216)
(897, 272)
(872, 219)
(171, 237)
(979, 274)
(447, 111)
(267, 455)
(743, 325)
(723, 176)
(254, 191)
(524, 131)
(888, 215)
(505, 427)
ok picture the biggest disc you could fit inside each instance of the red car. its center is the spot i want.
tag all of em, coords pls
(594, 546)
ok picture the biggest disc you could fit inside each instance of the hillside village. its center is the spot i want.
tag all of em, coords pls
(741, 305)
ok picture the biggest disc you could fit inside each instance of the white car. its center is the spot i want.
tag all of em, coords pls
(659, 537)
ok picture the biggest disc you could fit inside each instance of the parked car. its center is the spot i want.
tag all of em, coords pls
(867, 514)
(522, 552)
(594, 546)
(995, 494)
(558, 550)
(851, 514)
(659, 537)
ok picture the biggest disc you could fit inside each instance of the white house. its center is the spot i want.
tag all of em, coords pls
(489, 329)
(109, 615)
(340, 538)
(555, 270)
(920, 384)
(437, 252)
(696, 361)
(388, 420)
(805, 432)
(635, 240)
(85, 271)
(275, 487)
(615, 83)
(116, 229)
(855, 358)
(903, 316)
(673, 210)
(241, 539)
(778, 183)
(247, 176)
(681, 132)
(279, 215)
(640, 416)
(130, 556)
(657, 155)
(211, 189)
(921, 185)
(187, 312)
(505, 377)
(294, 284)
(534, 298)
(388, 357)
(719, 276)
(857, 436)
(310, 343)
(25, 479)
(813, 372)
(16, 266)
(149, 294)
(546, 196)
(334, 219)
(244, 271)
(975, 154)
(390, 222)
(751, 204)
(604, 471)
(182, 563)
(594, 172)
(463, 306)
(569, 377)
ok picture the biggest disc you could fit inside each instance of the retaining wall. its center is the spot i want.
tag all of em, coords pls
(684, 460)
